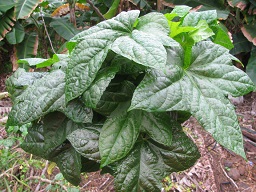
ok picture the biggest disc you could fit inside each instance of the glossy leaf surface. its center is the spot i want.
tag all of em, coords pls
(149, 162)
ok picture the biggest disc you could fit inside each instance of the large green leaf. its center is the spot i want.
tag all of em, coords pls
(28, 47)
(47, 95)
(45, 139)
(64, 28)
(200, 89)
(44, 96)
(158, 126)
(16, 35)
(86, 141)
(193, 18)
(23, 8)
(142, 48)
(69, 163)
(91, 50)
(154, 23)
(92, 95)
(20, 80)
(7, 21)
(6, 5)
(149, 162)
(119, 134)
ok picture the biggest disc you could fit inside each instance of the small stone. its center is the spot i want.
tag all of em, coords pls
(234, 174)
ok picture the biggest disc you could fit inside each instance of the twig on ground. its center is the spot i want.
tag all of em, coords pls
(43, 172)
(194, 181)
(6, 172)
(96, 10)
(47, 181)
(230, 179)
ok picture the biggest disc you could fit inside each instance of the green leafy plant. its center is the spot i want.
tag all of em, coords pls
(110, 103)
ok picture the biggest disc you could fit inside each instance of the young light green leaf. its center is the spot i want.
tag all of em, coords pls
(149, 162)
(118, 135)
(158, 126)
(39, 62)
(142, 49)
(86, 142)
(221, 36)
(200, 90)
(92, 95)
(202, 31)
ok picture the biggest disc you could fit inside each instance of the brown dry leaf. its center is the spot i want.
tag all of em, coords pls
(64, 9)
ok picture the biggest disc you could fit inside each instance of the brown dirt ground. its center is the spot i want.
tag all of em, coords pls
(218, 170)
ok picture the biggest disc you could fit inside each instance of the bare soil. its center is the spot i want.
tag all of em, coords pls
(218, 170)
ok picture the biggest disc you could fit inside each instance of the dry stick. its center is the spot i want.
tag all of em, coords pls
(45, 28)
(47, 181)
(96, 10)
(43, 172)
(232, 181)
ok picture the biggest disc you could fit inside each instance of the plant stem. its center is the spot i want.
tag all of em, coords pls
(45, 28)
(96, 10)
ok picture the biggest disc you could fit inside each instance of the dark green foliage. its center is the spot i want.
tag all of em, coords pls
(111, 104)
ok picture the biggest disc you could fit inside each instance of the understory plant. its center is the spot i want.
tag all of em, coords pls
(116, 102)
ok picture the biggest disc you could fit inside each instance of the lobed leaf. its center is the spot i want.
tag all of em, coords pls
(200, 89)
